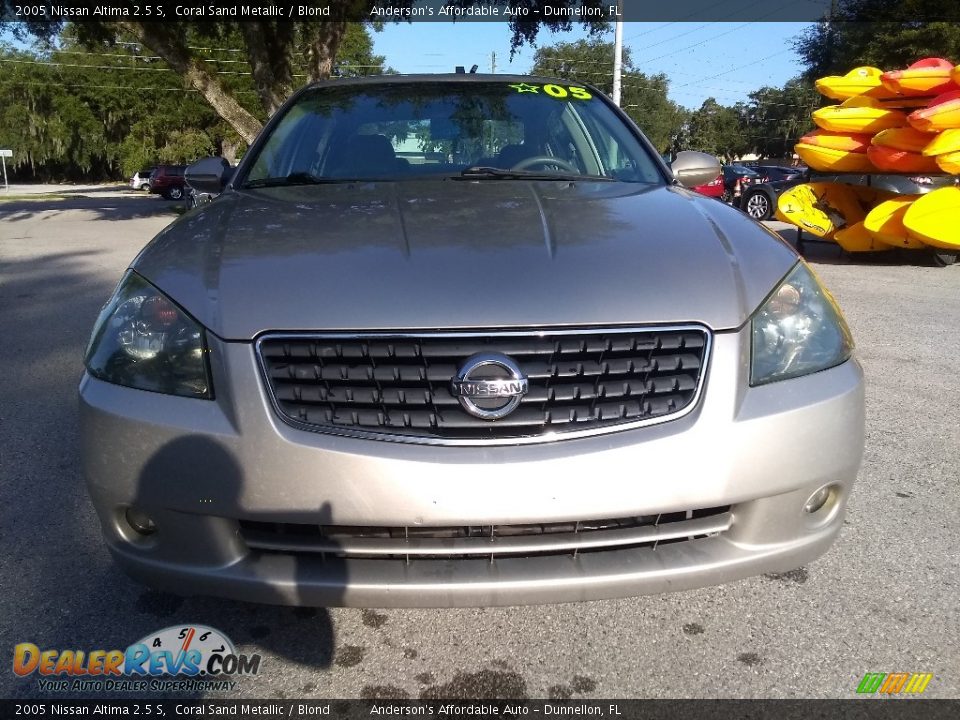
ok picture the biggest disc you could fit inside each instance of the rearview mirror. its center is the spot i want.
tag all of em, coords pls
(695, 168)
(209, 175)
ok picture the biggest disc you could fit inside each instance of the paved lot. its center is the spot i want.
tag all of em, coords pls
(885, 598)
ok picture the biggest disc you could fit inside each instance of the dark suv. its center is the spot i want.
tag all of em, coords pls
(168, 181)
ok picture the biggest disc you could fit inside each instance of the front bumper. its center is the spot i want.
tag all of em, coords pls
(200, 467)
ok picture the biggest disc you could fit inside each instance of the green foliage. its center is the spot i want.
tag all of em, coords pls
(775, 118)
(889, 34)
(71, 110)
(643, 97)
(718, 130)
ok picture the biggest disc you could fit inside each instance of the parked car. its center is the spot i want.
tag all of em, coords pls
(141, 179)
(781, 173)
(713, 189)
(736, 179)
(530, 370)
(167, 181)
(759, 199)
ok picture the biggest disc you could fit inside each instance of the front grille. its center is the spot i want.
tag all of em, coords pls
(492, 541)
(398, 387)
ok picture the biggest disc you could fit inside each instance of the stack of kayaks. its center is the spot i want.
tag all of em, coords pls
(902, 121)
(920, 103)
(862, 219)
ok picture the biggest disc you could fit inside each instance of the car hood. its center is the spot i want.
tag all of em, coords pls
(463, 254)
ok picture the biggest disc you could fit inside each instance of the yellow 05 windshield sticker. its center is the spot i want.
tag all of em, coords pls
(560, 92)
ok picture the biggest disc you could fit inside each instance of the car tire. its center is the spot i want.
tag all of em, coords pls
(757, 204)
(943, 259)
(145, 187)
(175, 193)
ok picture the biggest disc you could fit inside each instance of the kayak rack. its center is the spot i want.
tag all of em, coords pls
(890, 182)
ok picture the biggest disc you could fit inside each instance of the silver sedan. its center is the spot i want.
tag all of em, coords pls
(465, 340)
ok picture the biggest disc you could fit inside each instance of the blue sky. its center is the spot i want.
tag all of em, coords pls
(721, 60)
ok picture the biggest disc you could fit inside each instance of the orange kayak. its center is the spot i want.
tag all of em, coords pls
(848, 142)
(858, 115)
(929, 76)
(890, 159)
(825, 159)
(905, 138)
(943, 113)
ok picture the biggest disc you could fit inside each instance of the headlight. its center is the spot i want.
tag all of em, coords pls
(798, 330)
(143, 340)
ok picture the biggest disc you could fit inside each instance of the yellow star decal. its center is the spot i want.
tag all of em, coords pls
(524, 88)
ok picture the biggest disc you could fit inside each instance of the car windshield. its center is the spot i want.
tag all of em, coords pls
(475, 129)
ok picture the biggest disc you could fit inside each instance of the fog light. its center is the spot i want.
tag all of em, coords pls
(818, 499)
(140, 521)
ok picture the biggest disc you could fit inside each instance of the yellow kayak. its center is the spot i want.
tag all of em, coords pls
(856, 82)
(859, 115)
(949, 162)
(933, 218)
(943, 113)
(825, 159)
(902, 138)
(823, 208)
(947, 141)
(855, 238)
(885, 223)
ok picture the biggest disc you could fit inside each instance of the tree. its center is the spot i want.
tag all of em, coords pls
(275, 49)
(71, 115)
(889, 34)
(775, 118)
(643, 97)
(130, 104)
(718, 130)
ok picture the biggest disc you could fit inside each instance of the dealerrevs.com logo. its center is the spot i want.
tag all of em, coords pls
(183, 658)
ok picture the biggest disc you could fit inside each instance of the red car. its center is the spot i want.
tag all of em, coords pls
(168, 181)
(713, 189)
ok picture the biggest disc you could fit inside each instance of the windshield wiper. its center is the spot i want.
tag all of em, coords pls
(484, 171)
(297, 178)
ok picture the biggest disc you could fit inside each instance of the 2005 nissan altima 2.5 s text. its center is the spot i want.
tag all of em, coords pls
(465, 340)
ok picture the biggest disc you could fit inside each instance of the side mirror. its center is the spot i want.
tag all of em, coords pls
(209, 175)
(694, 168)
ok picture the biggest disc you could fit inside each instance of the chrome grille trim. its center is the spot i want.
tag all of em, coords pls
(451, 335)
(491, 546)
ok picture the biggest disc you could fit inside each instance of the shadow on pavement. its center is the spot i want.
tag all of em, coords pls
(101, 208)
(829, 253)
(61, 589)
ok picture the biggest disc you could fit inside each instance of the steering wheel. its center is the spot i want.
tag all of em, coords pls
(546, 160)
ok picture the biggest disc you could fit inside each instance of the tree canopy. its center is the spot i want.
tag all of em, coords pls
(75, 111)
(775, 118)
(643, 97)
(889, 34)
(282, 54)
